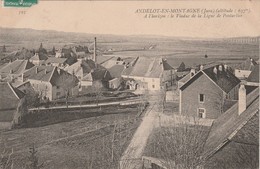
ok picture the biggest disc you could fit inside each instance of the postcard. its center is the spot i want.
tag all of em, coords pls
(129, 84)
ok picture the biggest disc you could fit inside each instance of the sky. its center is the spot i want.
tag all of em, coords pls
(120, 18)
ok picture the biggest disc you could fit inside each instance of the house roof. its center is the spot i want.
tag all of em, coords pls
(254, 75)
(100, 74)
(48, 74)
(86, 66)
(17, 67)
(39, 56)
(223, 79)
(116, 70)
(8, 90)
(147, 67)
(55, 60)
(229, 123)
(248, 64)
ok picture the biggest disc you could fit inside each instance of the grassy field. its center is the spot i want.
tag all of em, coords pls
(176, 50)
(84, 143)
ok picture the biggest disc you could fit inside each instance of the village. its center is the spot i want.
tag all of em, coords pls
(126, 112)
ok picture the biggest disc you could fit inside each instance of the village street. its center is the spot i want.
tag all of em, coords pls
(131, 158)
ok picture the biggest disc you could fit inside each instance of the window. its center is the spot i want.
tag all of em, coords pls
(58, 93)
(153, 86)
(201, 98)
(58, 87)
(201, 113)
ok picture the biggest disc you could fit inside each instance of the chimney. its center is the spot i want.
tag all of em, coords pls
(241, 99)
(36, 70)
(201, 67)
(192, 72)
(58, 70)
(225, 67)
(95, 54)
(11, 71)
(220, 68)
(45, 71)
(215, 70)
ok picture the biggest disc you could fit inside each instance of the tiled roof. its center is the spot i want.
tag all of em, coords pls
(116, 70)
(229, 123)
(254, 75)
(8, 94)
(166, 65)
(55, 60)
(84, 66)
(39, 56)
(248, 64)
(42, 73)
(101, 74)
(50, 74)
(224, 79)
(147, 67)
(16, 67)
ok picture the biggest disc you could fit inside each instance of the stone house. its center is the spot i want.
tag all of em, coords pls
(205, 93)
(51, 82)
(89, 73)
(148, 74)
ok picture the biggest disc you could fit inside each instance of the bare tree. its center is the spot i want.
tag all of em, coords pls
(33, 161)
(179, 146)
(67, 82)
(6, 161)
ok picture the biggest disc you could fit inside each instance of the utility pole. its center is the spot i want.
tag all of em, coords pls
(113, 139)
(95, 48)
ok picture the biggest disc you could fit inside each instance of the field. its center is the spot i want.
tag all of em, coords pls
(84, 143)
(175, 49)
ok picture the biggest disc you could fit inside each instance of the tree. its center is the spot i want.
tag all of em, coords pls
(67, 82)
(179, 146)
(4, 49)
(20, 112)
(33, 161)
(53, 51)
(181, 68)
(41, 47)
(6, 161)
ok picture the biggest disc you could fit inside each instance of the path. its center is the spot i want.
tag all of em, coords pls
(132, 156)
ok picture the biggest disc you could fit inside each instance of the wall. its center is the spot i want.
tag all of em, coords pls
(43, 88)
(147, 83)
(242, 73)
(115, 83)
(189, 98)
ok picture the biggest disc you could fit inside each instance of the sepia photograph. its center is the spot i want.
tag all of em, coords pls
(129, 84)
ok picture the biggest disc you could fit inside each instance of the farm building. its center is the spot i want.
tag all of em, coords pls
(116, 72)
(205, 93)
(58, 62)
(89, 73)
(148, 74)
(9, 100)
(245, 68)
(11, 71)
(39, 58)
(51, 82)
